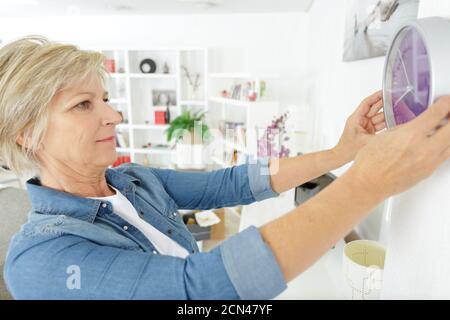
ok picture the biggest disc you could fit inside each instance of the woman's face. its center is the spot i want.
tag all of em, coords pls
(81, 128)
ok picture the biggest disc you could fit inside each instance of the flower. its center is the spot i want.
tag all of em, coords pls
(271, 142)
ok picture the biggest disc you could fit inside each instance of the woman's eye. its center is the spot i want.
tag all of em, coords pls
(106, 100)
(83, 105)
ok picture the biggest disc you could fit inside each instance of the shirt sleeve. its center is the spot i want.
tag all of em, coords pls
(251, 266)
(238, 185)
(70, 267)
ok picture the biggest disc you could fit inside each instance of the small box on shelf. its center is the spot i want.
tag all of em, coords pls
(160, 117)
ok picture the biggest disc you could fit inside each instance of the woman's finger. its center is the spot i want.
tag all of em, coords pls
(368, 102)
(373, 98)
(380, 126)
(375, 108)
(432, 117)
(378, 118)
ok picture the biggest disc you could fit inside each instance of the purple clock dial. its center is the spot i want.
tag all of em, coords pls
(410, 83)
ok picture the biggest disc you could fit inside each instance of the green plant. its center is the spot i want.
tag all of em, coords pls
(186, 123)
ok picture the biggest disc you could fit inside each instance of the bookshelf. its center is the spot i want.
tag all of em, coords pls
(132, 92)
(246, 119)
(135, 94)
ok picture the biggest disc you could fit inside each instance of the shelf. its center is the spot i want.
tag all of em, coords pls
(154, 150)
(150, 126)
(142, 126)
(235, 146)
(192, 102)
(117, 75)
(151, 150)
(239, 103)
(152, 76)
(242, 75)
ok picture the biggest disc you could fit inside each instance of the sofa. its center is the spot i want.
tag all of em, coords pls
(14, 208)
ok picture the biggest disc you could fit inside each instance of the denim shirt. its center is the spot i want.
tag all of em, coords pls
(78, 248)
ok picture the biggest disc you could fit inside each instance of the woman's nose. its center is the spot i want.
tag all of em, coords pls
(112, 117)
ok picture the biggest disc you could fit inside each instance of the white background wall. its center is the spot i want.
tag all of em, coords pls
(335, 88)
(271, 42)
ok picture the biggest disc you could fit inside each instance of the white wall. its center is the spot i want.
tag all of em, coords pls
(271, 42)
(335, 88)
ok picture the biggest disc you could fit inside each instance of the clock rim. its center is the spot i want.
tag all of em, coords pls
(416, 24)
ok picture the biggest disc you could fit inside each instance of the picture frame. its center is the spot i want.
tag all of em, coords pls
(164, 98)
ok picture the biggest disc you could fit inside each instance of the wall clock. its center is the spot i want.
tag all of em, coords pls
(417, 69)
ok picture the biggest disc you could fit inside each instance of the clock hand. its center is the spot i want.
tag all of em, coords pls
(414, 91)
(402, 96)
(404, 67)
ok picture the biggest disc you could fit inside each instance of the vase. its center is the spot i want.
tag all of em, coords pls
(190, 156)
(192, 93)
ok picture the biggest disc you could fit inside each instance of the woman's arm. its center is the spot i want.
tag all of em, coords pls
(237, 185)
(256, 181)
(53, 264)
(360, 128)
(394, 161)
(287, 173)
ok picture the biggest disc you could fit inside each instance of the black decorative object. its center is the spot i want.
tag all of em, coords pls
(148, 66)
(168, 113)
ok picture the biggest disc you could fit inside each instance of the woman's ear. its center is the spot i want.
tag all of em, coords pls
(20, 140)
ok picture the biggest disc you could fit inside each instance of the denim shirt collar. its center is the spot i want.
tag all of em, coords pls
(50, 201)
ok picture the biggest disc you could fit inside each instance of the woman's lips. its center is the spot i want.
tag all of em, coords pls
(108, 139)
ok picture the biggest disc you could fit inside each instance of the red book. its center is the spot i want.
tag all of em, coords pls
(160, 117)
(110, 65)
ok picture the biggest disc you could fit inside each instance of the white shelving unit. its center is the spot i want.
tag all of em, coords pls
(254, 115)
(131, 93)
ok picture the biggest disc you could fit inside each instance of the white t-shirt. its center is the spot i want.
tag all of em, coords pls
(124, 209)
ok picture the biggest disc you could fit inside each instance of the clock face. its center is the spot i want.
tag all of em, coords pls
(407, 87)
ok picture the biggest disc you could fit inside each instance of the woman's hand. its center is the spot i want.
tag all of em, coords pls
(401, 157)
(361, 127)
(390, 163)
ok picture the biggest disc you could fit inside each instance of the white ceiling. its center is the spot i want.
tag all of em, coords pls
(20, 8)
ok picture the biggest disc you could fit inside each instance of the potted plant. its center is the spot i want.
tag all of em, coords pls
(189, 132)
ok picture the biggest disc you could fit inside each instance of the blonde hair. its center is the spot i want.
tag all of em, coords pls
(32, 70)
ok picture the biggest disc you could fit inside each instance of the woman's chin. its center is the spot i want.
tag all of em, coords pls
(108, 158)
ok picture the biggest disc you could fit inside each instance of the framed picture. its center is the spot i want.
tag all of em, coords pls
(164, 97)
(371, 24)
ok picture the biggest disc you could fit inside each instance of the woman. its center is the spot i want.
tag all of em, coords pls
(99, 233)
